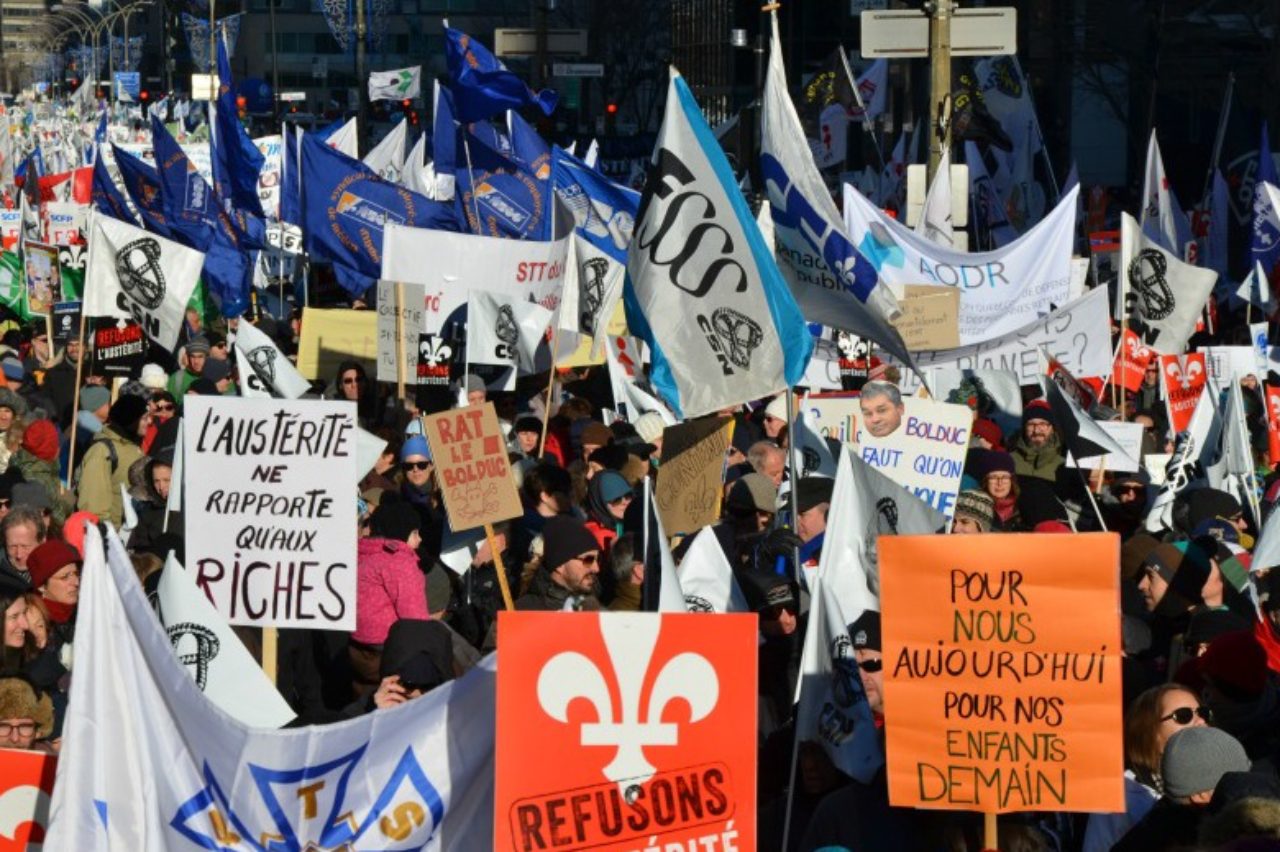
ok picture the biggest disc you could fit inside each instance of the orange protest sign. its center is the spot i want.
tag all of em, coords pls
(26, 786)
(470, 454)
(621, 731)
(1002, 672)
(1184, 379)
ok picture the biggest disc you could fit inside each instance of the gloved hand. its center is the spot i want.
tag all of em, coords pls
(780, 542)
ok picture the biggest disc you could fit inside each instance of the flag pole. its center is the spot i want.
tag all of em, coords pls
(270, 653)
(75, 396)
(400, 340)
(475, 204)
(551, 389)
(500, 569)
(814, 621)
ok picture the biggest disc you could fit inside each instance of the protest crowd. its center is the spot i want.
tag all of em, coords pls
(646, 439)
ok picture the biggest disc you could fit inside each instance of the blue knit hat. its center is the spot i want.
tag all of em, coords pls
(415, 445)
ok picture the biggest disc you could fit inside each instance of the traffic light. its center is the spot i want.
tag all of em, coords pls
(610, 118)
(241, 103)
(405, 104)
(144, 96)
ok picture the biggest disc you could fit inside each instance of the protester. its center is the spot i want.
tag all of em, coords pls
(26, 717)
(107, 461)
(569, 572)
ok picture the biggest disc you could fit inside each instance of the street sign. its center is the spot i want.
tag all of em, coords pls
(293, 96)
(577, 69)
(128, 85)
(904, 33)
(524, 42)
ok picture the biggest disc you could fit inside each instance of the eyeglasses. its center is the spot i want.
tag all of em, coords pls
(871, 666)
(999, 477)
(355, 380)
(588, 558)
(1184, 715)
(415, 465)
(1127, 489)
(24, 729)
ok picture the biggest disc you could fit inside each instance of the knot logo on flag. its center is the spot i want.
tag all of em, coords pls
(592, 275)
(505, 329)
(138, 265)
(571, 675)
(740, 334)
(836, 720)
(810, 461)
(1147, 277)
(206, 648)
(263, 361)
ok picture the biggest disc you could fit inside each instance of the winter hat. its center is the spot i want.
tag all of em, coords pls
(1195, 759)
(1236, 786)
(777, 408)
(1037, 409)
(993, 461)
(596, 434)
(48, 559)
(93, 397)
(10, 400)
(395, 520)
(1134, 552)
(1206, 625)
(73, 529)
(610, 456)
(612, 485)
(415, 445)
(649, 426)
(1052, 527)
(1204, 504)
(1196, 567)
(420, 652)
(474, 383)
(153, 376)
(565, 537)
(31, 494)
(19, 700)
(216, 369)
(989, 430)
(13, 369)
(527, 424)
(41, 440)
(1235, 664)
(198, 345)
(126, 413)
(977, 506)
(765, 590)
(865, 632)
(754, 492)
(813, 491)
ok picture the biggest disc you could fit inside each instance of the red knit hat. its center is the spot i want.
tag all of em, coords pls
(50, 558)
(989, 430)
(41, 440)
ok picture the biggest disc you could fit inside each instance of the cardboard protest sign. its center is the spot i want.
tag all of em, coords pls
(1131, 362)
(269, 491)
(671, 764)
(929, 317)
(918, 443)
(472, 468)
(999, 695)
(119, 347)
(66, 322)
(44, 280)
(26, 788)
(1184, 377)
(690, 480)
(411, 324)
(331, 336)
(1128, 436)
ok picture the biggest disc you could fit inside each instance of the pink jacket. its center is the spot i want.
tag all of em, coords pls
(389, 586)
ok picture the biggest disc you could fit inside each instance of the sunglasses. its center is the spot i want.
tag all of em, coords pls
(588, 559)
(415, 465)
(358, 380)
(165, 406)
(4, 504)
(1184, 715)
(1127, 489)
(621, 501)
(871, 666)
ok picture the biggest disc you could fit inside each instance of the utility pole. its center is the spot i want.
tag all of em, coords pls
(275, 67)
(940, 12)
(540, 8)
(362, 81)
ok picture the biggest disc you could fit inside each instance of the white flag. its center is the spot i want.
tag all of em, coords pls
(812, 455)
(935, 218)
(215, 658)
(345, 139)
(150, 764)
(503, 330)
(264, 370)
(1193, 453)
(630, 400)
(670, 593)
(417, 175)
(1157, 201)
(1256, 289)
(135, 274)
(387, 157)
(599, 288)
(1234, 470)
(395, 85)
(706, 579)
(1167, 294)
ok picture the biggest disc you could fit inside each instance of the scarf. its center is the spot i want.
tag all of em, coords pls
(60, 613)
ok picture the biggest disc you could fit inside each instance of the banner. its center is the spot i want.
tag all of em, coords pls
(918, 443)
(26, 785)
(1273, 422)
(1000, 698)
(267, 483)
(1184, 378)
(399, 326)
(472, 469)
(691, 477)
(1001, 290)
(634, 773)
(833, 415)
(43, 279)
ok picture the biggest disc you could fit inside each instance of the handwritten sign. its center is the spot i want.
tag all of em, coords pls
(920, 445)
(269, 500)
(1002, 672)
(835, 415)
(929, 317)
(26, 790)
(1228, 363)
(692, 472)
(412, 324)
(331, 336)
(470, 453)
(1184, 379)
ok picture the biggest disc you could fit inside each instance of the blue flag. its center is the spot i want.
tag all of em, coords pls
(236, 161)
(528, 148)
(290, 195)
(1264, 241)
(499, 197)
(143, 185)
(106, 196)
(345, 207)
(604, 212)
(482, 86)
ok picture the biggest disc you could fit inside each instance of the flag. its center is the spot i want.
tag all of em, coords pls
(482, 86)
(396, 85)
(527, 147)
(346, 207)
(935, 219)
(1007, 97)
(895, 170)
(629, 399)
(1167, 294)
(398, 778)
(503, 330)
(343, 136)
(706, 580)
(989, 212)
(1264, 240)
(1214, 253)
(1193, 455)
(106, 195)
(235, 160)
(971, 121)
(812, 453)
(660, 590)
(1256, 290)
(1158, 203)
(499, 197)
(13, 285)
(215, 658)
(739, 333)
(131, 273)
(142, 183)
(1081, 434)
(417, 175)
(387, 157)
(444, 143)
(1234, 470)
(264, 369)
(831, 280)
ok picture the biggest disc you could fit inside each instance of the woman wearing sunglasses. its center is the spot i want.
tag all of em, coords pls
(608, 496)
(1153, 717)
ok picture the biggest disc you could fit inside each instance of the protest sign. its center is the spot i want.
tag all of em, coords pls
(1273, 422)
(66, 322)
(44, 281)
(929, 317)
(435, 358)
(406, 300)
(999, 696)
(66, 221)
(1225, 364)
(272, 150)
(1077, 334)
(834, 415)
(449, 264)
(330, 337)
(119, 347)
(1132, 359)
(637, 773)
(26, 785)
(691, 478)
(920, 445)
(472, 468)
(10, 228)
(1184, 378)
(268, 486)
(1128, 436)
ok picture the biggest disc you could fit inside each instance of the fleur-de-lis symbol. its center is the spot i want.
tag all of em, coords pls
(1174, 371)
(629, 640)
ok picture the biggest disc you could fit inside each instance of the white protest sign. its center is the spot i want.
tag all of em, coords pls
(269, 178)
(449, 264)
(833, 415)
(411, 325)
(1001, 290)
(66, 221)
(1226, 363)
(920, 445)
(10, 228)
(1078, 335)
(269, 509)
(1128, 436)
